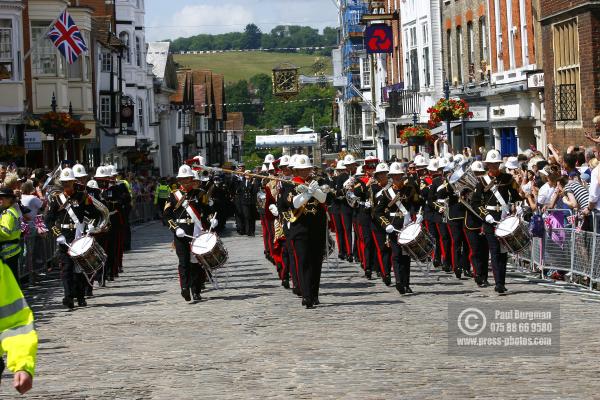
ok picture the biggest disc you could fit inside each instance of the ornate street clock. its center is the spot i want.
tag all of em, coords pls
(285, 80)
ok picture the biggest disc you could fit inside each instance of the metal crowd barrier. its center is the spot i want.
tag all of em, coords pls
(567, 249)
(38, 249)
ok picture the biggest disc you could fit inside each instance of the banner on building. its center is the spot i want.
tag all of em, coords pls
(309, 139)
(33, 140)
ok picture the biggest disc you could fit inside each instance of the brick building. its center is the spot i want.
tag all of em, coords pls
(466, 63)
(572, 62)
(516, 104)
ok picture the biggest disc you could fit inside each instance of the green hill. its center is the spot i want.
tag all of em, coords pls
(243, 65)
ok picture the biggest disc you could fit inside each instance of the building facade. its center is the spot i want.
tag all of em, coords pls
(572, 69)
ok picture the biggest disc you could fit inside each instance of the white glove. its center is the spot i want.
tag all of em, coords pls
(302, 188)
(179, 233)
(274, 211)
(213, 223)
(442, 210)
(91, 230)
(320, 195)
(367, 204)
(301, 199)
(210, 203)
(349, 184)
(61, 240)
(314, 185)
(489, 219)
(419, 219)
(389, 229)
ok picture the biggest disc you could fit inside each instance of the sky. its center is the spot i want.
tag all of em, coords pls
(170, 19)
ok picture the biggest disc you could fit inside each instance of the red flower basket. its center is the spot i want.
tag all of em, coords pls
(448, 110)
(415, 136)
(62, 125)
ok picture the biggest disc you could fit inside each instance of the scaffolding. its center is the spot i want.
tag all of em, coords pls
(352, 33)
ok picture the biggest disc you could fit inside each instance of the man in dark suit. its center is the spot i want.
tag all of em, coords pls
(249, 189)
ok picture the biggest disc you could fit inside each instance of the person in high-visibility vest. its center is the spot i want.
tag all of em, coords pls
(18, 338)
(161, 195)
(10, 230)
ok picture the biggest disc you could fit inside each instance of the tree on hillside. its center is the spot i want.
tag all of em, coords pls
(252, 37)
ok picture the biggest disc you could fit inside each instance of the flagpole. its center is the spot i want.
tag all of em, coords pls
(37, 42)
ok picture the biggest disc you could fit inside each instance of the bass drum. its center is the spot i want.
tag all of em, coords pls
(88, 255)
(416, 241)
(209, 251)
(513, 233)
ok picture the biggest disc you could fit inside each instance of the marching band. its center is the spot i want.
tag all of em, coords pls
(455, 213)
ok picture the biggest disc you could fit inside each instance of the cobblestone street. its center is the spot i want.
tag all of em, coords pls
(138, 339)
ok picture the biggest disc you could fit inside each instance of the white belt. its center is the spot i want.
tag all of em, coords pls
(396, 214)
(493, 208)
(68, 226)
(184, 221)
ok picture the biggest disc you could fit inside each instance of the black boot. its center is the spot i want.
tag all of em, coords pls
(368, 274)
(285, 283)
(81, 302)
(185, 293)
(196, 296)
(400, 289)
(457, 273)
(387, 280)
(68, 302)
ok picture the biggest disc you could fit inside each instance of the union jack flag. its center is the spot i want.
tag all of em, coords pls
(67, 38)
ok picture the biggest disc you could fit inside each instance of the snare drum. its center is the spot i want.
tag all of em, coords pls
(416, 241)
(87, 254)
(209, 251)
(513, 233)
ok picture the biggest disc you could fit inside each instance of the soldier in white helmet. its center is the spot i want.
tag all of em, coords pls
(184, 218)
(66, 215)
(494, 198)
(392, 213)
(305, 206)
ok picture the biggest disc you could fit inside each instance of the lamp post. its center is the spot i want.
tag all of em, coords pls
(448, 129)
(71, 136)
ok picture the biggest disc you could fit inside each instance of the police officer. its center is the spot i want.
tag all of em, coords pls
(10, 230)
(66, 216)
(161, 195)
(493, 198)
(183, 216)
(307, 231)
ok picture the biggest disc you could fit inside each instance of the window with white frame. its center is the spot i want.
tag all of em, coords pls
(6, 50)
(426, 56)
(524, 38)
(140, 104)
(105, 110)
(80, 69)
(124, 37)
(459, 54)
(365, 75)
(368, 123)
(105, 61)
(45, 59)
(483, 45)
(499, 39)
(449, 55)
(470, 42)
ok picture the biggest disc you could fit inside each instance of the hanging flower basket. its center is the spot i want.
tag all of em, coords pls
(62, 125)
(416, 136)
(448, 110)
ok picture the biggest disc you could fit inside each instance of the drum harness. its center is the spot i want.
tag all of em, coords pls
(492, 186)
(79, 227)
(190, 211)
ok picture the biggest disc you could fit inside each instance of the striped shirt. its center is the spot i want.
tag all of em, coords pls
(581, 193)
